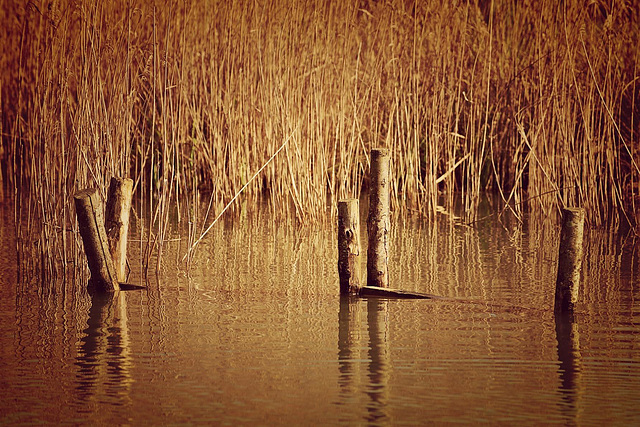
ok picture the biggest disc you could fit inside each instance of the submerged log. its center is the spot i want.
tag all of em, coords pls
(117, 222)
(376, 291)
(130, 287)
(348, 245)
(569, 259)
(378, 221)
(94, 238)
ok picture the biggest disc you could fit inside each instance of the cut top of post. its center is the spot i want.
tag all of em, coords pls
(573, 214)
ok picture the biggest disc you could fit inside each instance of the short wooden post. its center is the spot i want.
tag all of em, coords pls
(348, 245)
(569, 259)
(94, 238)
(117, 222)
(378, 220)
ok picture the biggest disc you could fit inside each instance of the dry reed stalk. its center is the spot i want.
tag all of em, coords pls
(539, 106)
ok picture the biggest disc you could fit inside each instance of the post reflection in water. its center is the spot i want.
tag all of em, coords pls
(103, 358)
(349, 358)
(570, 363)
(347, 344)
(377, 310)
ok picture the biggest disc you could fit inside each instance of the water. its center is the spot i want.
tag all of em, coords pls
(256, 333)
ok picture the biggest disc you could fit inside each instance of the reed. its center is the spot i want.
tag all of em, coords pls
(190, 99)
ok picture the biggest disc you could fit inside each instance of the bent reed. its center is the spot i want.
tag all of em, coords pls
(536, 103)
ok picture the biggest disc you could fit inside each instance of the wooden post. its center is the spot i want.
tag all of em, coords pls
(569, 259)
(348, 245)
(94, 238)
(378, 220)
(117, 222)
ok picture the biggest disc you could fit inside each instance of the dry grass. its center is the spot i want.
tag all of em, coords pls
(191, 98)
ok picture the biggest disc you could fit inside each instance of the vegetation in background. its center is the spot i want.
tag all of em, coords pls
(535, 101)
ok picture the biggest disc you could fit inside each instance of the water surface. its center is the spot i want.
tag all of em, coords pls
(256, 333)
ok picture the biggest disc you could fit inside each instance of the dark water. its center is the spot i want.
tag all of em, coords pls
(256, 333)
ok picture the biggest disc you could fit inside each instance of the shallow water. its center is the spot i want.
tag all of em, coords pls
(256, 333)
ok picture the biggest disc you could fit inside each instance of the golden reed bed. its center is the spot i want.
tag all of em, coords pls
(538, 103)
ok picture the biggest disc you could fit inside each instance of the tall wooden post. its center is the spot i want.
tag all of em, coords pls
(348, 245)
(378, 220)
(94, 238)
(117, 222)
(569, 259)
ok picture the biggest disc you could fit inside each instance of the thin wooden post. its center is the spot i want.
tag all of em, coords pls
(378, 220)
(117, 222)
(348, 245)
(94, 238)
(569, 259)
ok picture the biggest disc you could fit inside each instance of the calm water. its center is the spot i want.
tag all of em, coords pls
(257, 334)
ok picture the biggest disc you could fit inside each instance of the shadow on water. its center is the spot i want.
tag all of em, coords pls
(570, 364)
(103, 359)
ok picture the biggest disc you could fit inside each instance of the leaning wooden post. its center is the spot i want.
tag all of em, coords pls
(117, 222)
(348, 245)
(378, 220)
(94, 238)
(569, 259)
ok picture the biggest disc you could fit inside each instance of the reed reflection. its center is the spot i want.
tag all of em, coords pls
(570, 364)
(103, 358)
